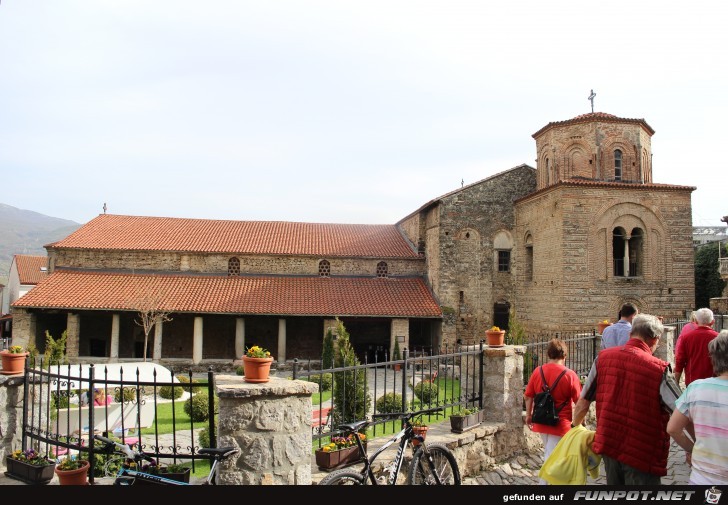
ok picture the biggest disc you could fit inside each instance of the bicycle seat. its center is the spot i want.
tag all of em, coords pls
(217, 451)
(356, 426)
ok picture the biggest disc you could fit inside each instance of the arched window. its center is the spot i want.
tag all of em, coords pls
(324, 268)
(627, 252)
(233, 267)
(617, 165)
(529, 258)
(382, 269)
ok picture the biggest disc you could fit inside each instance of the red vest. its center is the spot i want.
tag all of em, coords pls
(631, 423)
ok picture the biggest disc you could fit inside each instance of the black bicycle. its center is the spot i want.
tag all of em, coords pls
(127, 466)
(432, 463)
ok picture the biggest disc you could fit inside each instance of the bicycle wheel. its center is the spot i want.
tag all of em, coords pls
(343, 478)
(446, 467)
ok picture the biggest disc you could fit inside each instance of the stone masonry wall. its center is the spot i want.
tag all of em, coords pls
(218, 263)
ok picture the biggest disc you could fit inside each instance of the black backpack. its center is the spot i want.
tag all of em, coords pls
(544, 408)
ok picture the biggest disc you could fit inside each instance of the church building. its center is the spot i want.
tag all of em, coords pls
(562, 245)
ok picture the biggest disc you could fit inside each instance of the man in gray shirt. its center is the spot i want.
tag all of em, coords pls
(618, 333)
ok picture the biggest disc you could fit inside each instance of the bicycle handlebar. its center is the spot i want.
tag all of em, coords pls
(409, 415)
(128, 451)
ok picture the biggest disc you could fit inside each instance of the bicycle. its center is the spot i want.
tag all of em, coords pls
(432, 463)
(130, 463)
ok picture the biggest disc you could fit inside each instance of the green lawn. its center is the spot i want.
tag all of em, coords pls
(164, 419)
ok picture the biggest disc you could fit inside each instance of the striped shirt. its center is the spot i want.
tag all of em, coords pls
(705, 403)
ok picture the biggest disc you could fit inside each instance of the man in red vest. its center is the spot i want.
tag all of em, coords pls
(692, 354)
(635, 394)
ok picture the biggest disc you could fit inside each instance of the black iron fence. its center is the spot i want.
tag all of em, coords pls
(60, 416)
(582, 349)
(452, 378)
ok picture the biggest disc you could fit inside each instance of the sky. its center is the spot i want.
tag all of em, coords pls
(338, 111)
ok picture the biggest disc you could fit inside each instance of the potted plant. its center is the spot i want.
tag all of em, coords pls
(342, 451)
(420, 428)
(29, 466)
(495, 336)
(172, 471)
(465, 419)
(601, 325)
(256, 364)
(72, 471)
(13, 360)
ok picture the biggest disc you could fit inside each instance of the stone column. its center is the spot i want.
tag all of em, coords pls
(158, 330)
(239, 337)
(271, 425)
(114, 347)
(398, 328)
(73, 328)
(281, 358)
(197, 341)
(665, 349)
(329, 324)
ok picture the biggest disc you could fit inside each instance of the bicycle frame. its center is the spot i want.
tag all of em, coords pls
(127, 476)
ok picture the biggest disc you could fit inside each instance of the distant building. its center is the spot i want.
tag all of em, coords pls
(25, 273)
(564, 244)
(706, 234)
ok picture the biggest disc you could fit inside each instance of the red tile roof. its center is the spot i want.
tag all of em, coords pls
(276, 295)
(31, 269)
(647, 186)
(239, 237)
(596, 116)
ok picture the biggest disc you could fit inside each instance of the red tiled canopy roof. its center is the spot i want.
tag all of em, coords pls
(112, 232)
(297, 296)
(31, 269)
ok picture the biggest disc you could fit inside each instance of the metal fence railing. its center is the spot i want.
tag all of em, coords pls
(452, 378)
(59, 420)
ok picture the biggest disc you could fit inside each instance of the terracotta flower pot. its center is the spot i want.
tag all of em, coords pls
(13, 363)
(495, 338)
(419, 430)
(256, 369)
(73, 477)
(601, 326)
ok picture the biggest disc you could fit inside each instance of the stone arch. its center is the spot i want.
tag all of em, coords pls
(577, 161)
(630, 170)
(547, 172)
(628, 215)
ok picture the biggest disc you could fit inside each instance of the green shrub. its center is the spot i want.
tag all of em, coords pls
(130, 394)
(351, 394)
(197, 407)
(203, 438)
(426, 391)
(169, 392)
(325, 381)
(327, 355)
(186, 380)
(239, 371)
(390, 402)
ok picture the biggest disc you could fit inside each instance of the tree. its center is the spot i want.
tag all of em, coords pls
(351, 394)
(150, 312)
(327, 356)
(708, 283)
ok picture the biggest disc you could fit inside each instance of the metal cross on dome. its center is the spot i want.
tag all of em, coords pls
(591, 99)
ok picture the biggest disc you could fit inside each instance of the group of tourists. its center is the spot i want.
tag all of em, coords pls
(639, 402)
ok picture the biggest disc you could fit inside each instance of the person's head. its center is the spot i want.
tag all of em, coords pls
(557, 349)
(704, 317)
(628, 311)
(693, 318)
(99, 393)
(718, 351)
(647, 328)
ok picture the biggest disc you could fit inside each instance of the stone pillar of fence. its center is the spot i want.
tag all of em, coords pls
(503, 385)
(665, 349)
(11, 414)
(271, 425)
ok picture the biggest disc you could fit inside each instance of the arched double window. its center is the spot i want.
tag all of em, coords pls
(627, 252)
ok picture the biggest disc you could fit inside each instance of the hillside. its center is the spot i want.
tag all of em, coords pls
(26, 232)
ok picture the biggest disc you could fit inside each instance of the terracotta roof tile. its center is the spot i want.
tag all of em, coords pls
(595, 116)
(299, 296)
(31, 269)
(239, 237)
